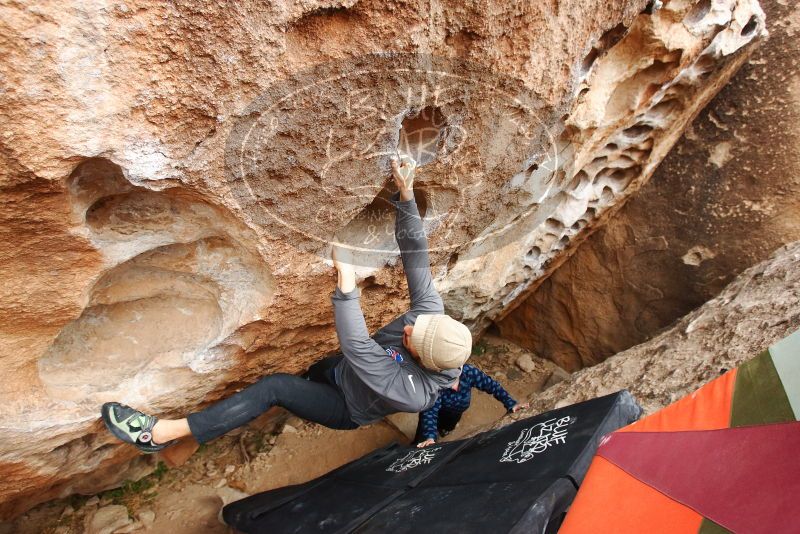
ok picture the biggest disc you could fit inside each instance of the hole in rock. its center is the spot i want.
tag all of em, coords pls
(625, 160)
(320, 17)
(649, 91)
(589, 60)
(646, 146)
(705, 64)
(126, 220)
(651, 7)
(629, 94)
(663, 109)
(698, 12)
(534, 253)
(421, 135)
(546, 241)
(563, 242)
(580, 181)
(93, 179)
(612, 36)
(566, 136)
(621, 178)
(637, 131)
(557, 177)
(604, 43)
(462, 40)
(452, 260)
(693, 258)
(141, 212)
(750, 27)
(553, 225)
(633, 154)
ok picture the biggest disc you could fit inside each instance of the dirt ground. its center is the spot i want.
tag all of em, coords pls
(273, 451)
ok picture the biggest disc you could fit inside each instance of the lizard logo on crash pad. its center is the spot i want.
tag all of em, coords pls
(537, 439)
(413, 459)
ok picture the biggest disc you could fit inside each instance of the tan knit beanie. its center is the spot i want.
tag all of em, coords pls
(441, 341)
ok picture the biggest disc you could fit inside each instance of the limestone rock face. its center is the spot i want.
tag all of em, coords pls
(760, 307)
(173, 173)
(725, 197)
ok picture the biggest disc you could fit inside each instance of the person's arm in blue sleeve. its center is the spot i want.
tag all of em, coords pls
(430, 423)
(486, 383)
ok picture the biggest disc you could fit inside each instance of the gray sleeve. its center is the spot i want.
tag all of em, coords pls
(413, 245)
(367, 358)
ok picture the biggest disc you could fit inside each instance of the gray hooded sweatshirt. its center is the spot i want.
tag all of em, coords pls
(374, 383)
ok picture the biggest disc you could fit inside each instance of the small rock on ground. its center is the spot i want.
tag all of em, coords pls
(525, 362)
(107, 520)
(146, 518)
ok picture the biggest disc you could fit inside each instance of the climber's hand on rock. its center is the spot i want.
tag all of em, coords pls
(343, 261)
(342, 257)
(426, 443)
(404, 172)
(519, 406)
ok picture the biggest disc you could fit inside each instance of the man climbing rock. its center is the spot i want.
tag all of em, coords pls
(401, 368)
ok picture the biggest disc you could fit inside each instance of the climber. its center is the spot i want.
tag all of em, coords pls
(442, 418)
(401, 368)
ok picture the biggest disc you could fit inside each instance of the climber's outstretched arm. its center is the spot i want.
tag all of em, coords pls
(366, 357)
(413, 242)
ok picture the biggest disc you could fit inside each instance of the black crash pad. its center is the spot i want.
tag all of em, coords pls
(519, 478)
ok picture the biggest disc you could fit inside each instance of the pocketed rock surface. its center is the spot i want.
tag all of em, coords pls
(722, 200)
(172, 175)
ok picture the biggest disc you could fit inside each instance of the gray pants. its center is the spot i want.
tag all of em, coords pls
(316, 398)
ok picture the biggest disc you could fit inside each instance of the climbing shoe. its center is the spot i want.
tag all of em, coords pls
(132, 426)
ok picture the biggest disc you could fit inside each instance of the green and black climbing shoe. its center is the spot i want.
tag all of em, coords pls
(132, 426)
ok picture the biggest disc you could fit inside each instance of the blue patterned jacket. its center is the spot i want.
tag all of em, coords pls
(458, 400)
